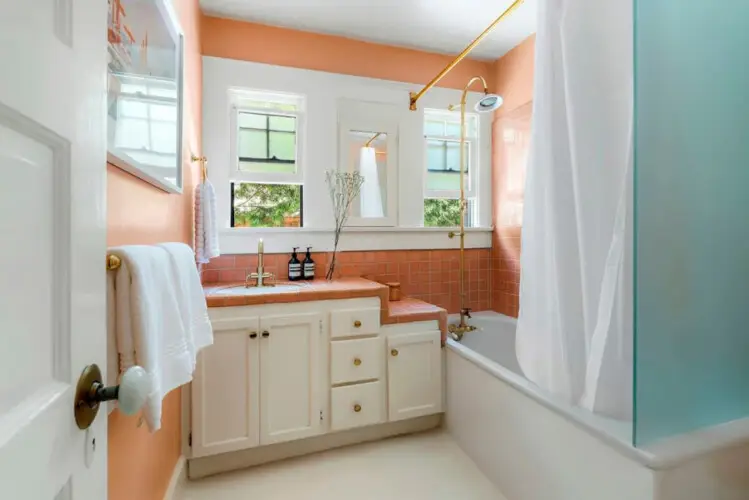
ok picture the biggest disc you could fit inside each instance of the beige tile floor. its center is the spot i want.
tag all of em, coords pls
(427, 466)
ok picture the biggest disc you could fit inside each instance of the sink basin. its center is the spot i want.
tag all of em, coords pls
(253, 290)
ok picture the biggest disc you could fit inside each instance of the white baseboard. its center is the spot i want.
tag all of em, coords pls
(207, 466)
(179, 476)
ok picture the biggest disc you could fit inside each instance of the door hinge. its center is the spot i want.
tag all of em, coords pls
(189, 440)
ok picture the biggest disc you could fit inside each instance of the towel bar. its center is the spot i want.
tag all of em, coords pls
(113, 262)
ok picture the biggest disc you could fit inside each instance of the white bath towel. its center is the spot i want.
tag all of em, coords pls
(190, 296)
(151, 327)
(206, 228)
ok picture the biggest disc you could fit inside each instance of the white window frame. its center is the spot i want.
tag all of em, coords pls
(473, 155)
(240, 99)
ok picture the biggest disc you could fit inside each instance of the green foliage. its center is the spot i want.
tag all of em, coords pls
(266, 205)
(441, 213)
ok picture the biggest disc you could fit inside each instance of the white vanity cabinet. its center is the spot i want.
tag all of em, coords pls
(279, 373)
(259, 383)
(414, 375)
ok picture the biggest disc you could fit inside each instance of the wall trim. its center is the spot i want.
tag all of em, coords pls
(282, 240)
(178, 480)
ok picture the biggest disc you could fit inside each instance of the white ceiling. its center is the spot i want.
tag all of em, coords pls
(445, 26)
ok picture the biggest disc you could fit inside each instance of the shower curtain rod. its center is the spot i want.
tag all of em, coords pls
(416, 96)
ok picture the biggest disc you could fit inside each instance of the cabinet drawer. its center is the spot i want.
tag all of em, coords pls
(356, 360)
(354, 322)
(356, 406)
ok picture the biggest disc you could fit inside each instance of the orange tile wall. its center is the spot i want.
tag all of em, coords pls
(140, 464)
(429, 275)
(512, 78)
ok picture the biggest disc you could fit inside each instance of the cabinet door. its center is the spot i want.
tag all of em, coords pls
(225, 396)
(290, 378)
(414, 375)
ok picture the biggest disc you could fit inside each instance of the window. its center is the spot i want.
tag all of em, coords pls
(266, 205)
(266, 183)
(442, 186)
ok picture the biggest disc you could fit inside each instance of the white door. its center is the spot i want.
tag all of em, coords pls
(414, 375)
(225, 391)
(52, 245)
(290, 392)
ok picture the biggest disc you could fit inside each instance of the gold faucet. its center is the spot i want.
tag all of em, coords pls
(260, 276)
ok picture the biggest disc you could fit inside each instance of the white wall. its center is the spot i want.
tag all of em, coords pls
(323, 91)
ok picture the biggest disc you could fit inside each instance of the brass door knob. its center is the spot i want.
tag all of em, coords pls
(357, 361)
(134, 388)
(357, 408)
(357, 324)
(394, 352)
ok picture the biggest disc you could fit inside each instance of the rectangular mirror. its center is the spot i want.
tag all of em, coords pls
(145, 87)
(368, 154)
(368, 144)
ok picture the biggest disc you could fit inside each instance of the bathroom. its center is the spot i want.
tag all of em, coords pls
(561, 338)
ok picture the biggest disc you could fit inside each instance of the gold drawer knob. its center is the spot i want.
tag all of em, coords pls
(357, 361)
(394, 352)
(357, 408)
(357, 324)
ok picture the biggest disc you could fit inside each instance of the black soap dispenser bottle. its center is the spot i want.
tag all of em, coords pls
(295, 267)
(308, 269)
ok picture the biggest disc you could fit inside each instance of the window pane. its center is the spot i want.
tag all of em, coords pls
(267, 168)
(436, 155)
(132, 108)
(267, 205)
(253, 143)
(252, 120)
(283, 145)
(446, 213)
(434, 128)
(283, 123)
(163, 138)
(453, 157)
(453, 130)
(164, 112)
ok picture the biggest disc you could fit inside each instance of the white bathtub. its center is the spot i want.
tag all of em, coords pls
(536, 447)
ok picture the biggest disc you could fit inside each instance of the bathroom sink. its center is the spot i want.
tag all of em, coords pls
(253, 290)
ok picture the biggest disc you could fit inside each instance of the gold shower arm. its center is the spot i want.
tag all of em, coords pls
(416, 96)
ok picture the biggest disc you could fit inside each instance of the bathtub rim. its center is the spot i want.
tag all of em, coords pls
(665, 454)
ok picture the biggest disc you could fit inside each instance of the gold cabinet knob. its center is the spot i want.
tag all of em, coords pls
(357, 324)
(357, 408)
(394, 352)
(357, 361)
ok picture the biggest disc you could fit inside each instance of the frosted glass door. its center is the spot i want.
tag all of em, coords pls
(692, 215)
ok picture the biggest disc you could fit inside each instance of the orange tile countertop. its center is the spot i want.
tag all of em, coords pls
(403, 311)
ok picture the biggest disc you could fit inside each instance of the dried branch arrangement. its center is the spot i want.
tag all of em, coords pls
(344, 188)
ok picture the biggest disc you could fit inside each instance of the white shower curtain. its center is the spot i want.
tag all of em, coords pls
(574, 333)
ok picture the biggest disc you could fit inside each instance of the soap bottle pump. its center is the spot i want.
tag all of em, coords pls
(309, 266)
(295, 267)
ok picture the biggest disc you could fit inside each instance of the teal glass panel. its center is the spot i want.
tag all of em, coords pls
(691, 215)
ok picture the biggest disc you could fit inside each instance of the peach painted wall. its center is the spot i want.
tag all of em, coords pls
(141, 464)
(512, 77)
(245, 41)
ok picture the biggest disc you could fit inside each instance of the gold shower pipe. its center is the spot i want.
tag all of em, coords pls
(416, 96)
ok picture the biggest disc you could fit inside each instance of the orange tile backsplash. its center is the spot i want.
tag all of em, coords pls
(428, 275)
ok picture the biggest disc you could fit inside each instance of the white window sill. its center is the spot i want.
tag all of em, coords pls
(282, 240)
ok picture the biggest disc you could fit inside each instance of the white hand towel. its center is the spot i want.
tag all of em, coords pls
(150, 329)
(210, 226)
(206, 229)
(200, 257)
